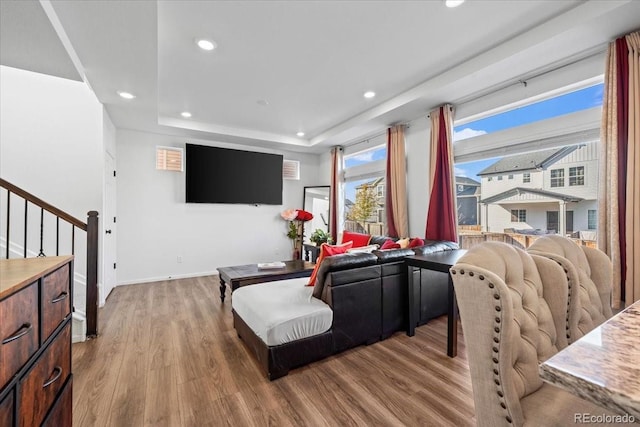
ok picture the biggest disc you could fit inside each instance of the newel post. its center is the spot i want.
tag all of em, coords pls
(92, 274)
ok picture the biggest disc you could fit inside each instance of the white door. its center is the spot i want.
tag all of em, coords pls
(109, 222)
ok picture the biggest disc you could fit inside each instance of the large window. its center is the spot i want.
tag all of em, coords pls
(494, 149)
(364, 201)
(557, 177)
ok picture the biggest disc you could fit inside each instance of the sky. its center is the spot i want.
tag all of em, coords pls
(569, 103)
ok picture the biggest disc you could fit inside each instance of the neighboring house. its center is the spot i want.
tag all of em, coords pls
(468, 199)
(553, 190)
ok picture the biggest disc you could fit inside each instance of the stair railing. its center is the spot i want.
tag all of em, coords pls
(90, 227)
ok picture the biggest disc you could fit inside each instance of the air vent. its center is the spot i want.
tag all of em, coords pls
(291, 169)
(169, 159)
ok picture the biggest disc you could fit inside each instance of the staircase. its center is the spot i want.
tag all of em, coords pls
(31, 227)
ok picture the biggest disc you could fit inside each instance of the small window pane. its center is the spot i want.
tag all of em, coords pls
(526, 177)
(557, 177)
(592, 219)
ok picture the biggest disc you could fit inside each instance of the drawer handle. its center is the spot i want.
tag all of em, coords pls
(22, 331)
(60, 297)
(57, 371)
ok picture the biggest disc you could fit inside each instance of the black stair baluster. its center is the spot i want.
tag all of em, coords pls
(8, 221)
(26, 202)
(41, 254)
(57, 235)
(73, 239)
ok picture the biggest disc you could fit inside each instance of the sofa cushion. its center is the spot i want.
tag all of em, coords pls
(389, 244)
(431, 246)
(345, 261)
(392, 255)
(325, 251)
(363, 249)
(282, 311)
(358, 239)
(404, 243)
(415, 242)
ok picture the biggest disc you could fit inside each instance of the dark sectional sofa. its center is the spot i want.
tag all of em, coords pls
(367, 293)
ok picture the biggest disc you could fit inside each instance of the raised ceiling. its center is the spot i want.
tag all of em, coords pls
(309, 61)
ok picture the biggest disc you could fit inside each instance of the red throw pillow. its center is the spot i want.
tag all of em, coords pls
(359, 239)
(415, 242)
(389, 244)
(325, 251)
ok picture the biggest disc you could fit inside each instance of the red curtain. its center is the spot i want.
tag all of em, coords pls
(336, 160)
(441, 217)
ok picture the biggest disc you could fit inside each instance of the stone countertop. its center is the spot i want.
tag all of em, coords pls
(604, 365)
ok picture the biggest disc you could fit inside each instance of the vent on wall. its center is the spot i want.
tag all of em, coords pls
(291, 169)
(169, 159)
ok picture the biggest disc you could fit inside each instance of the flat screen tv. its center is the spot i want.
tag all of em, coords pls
(222, 175)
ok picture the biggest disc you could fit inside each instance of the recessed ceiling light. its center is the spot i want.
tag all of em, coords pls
(205, 44)
(369, 94)
(185, 114)
(453, 3)
(300, 134)
(126, 95)
(262, 102)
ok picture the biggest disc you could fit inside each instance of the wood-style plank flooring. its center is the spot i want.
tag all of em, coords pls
(167, 355)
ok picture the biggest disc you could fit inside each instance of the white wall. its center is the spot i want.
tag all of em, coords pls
(417, 138)
(51, 132)
(156, 226)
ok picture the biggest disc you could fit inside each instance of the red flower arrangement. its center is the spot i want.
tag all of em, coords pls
(296, 218)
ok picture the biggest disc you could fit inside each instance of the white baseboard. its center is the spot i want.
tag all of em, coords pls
(78, 327)
(163, 278)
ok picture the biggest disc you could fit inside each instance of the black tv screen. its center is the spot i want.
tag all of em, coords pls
(222, 175)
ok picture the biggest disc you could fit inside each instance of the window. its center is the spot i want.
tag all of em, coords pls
(576, 176)
(592, 219)
(557, 177)
(499, 177)
(510, 176)
(518, 215)
(490, 178)
(526, 177)
(169, 159)
(364, 187)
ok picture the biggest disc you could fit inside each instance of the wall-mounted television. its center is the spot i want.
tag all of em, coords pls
(222, 175)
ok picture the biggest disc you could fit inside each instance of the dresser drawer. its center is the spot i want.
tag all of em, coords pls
(56, 300)
(6, 411)
(19, 337)
(38, 390)
(61, 414)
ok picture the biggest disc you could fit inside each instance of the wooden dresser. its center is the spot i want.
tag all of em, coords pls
(35, 341)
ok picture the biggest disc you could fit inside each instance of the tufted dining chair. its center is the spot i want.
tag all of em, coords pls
(591, 269)
(514, 309)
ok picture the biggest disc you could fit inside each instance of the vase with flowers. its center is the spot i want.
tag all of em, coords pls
(296, 219)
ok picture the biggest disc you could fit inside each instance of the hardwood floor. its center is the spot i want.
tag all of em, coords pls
(168, 355)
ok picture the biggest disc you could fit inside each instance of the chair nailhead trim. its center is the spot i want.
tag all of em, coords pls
(496, 296)
(453, 272)
(500, 393)
(461, 271)
(497, 381)
(498, 308)
(497, 320)
(471, 273)
(496, 329)
(509, 419)
(503, 405)
(495, 371)
(491, 285)
(495, 360)
(481, 277)
(495, 339)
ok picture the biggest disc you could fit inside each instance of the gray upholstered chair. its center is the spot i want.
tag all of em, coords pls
(514, 308)
(591, 269)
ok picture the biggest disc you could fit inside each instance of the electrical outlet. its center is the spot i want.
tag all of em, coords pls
(179, 259)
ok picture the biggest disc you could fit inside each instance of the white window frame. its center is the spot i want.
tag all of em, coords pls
(578, 178)
(556, 181)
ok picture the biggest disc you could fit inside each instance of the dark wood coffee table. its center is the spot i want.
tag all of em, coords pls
(243, 275)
